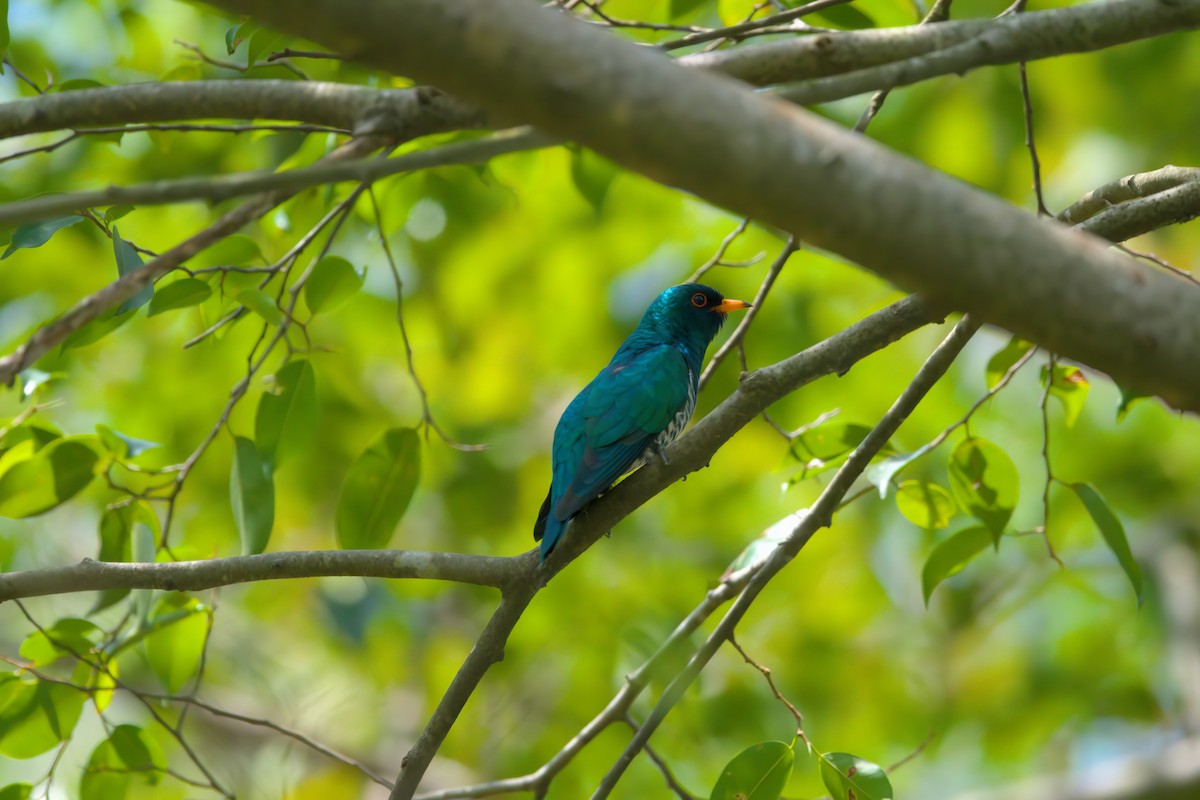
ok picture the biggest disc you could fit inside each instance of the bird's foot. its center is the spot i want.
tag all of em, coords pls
(608, 534)
(661, 452)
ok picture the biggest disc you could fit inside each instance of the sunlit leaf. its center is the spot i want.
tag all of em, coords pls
(180, 294)
(1004, 359)
(333, 281)
(252, 492)
(262, 304)
(121, 445)
(179, 625)
(951, 555)
(38, 432)
(1070, 386)
(925, 504)
(848, 777)
(985, 483)
(378, 489)
(882, 472)
(1113, 532)
(51, 476)
(757, 773)
(128, 261)
(68, 637)
(36, 234)
(128, 754)
(827, 442)
(35, 715)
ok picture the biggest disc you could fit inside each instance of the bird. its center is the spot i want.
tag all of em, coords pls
(634, 407)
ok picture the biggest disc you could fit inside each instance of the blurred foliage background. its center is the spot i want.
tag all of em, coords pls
(519, 280)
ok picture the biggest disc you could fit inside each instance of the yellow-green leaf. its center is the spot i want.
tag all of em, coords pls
(925, 504)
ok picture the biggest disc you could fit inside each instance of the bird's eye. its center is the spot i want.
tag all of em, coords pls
(699, 300)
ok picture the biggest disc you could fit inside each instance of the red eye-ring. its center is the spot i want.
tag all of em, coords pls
(699, 300)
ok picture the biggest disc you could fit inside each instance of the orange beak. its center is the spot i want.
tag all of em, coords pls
(731, 305)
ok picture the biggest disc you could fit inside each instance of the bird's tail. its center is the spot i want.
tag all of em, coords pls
(548, 528)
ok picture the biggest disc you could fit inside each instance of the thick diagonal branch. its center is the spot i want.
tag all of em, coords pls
(763, 158)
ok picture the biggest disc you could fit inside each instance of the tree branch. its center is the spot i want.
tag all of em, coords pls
(396, 113)
(1042, 34)
(193, 576)
(967, 45)
(738, 149)
(223, 187)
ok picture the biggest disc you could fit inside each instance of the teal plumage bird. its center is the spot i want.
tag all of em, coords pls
(636, 406)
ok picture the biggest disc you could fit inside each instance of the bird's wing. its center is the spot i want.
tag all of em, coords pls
(614, 420)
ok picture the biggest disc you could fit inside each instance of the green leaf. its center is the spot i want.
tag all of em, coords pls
(128, 753)
(846, 17)
(848, 777)
(681, 8)
(262, 304)
(116, 212)
(985, 483)
(757, 773)
(179, 625)
(53, 475)
(97, 329)
(826, 442)
(378, 489)
(123, 446)
(15, 791)
(287, 415)
(116, 530)
(1128, 398)
(68, 637)
(252, 492)
(263, 41)
(36, 234)
(35, 715)
(75, 84)
(1070, 386)
(925, 504)
(1113, 532)
(950, 556)
(1000, 363)
(180, 294)
(593, 176)
(128, 260)
(332, 282)
(238, 250)
(238, 34)
(3, 47)
(881, 473)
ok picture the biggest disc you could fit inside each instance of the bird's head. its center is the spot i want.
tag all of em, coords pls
(691, 311)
